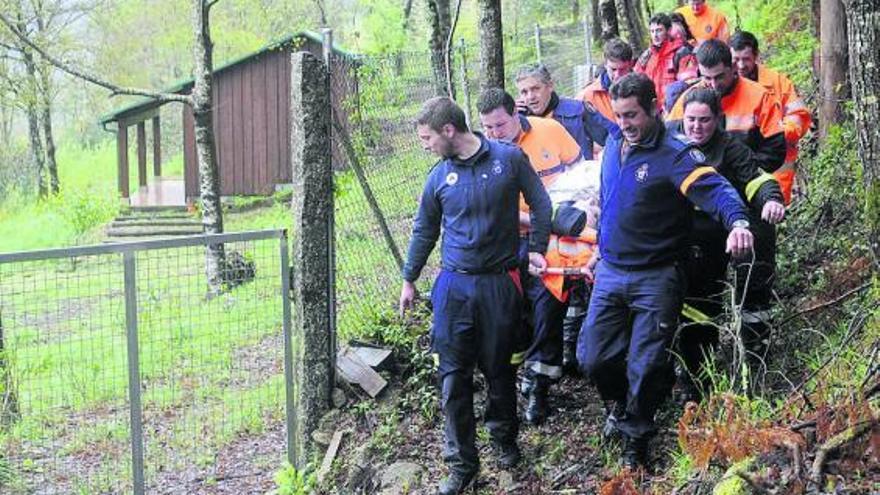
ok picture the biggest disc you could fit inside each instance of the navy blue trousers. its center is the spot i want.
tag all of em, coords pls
(477, 323)
(625, 342)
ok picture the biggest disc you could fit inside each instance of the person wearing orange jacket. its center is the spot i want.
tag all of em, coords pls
(618, 63)
(753, 116)
(667, 60)
(550, 149)
(706, 23)
(796, 116)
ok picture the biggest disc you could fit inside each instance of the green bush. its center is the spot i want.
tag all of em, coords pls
(290, 481)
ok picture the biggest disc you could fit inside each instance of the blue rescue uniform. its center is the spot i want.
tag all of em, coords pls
(637, 295)
(477, 297)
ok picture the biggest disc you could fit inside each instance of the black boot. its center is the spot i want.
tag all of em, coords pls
(536, 409)
(457, 483)
(508, 454)
(635, 453)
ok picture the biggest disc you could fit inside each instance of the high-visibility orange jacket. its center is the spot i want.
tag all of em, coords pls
(796, 121)
(551, 149)
(596, 94)
(672, 61)
(752, 115)
(710, 24)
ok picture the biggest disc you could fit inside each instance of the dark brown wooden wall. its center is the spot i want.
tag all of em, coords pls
(250, 127)
(251, 105)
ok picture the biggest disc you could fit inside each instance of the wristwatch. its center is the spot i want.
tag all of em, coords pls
(740, 224)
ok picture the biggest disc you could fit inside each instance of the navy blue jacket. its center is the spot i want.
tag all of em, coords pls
(476, 202)
(645, 190)
(572, 115)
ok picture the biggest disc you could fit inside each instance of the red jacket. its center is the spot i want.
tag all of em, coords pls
(673, 61)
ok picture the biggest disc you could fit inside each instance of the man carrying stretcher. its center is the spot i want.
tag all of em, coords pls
(553, 153)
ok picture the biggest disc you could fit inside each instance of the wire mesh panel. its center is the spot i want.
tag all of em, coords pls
(211, 368)
(375, 102)
(65, 406)
(120, 370)
(380, 127)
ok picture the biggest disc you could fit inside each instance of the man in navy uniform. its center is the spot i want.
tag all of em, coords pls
(473, 193)
(647, 179)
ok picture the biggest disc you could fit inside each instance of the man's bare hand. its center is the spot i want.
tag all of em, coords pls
(537, 264)
(407, 297)
(591, 265)
(739, 242)
(773, 212)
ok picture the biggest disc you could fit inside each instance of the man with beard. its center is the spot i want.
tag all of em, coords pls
(473, 193)
(796, 116)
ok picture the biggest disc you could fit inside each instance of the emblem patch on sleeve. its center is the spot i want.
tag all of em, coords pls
(698, 155)
(452, 178)
(642, 173)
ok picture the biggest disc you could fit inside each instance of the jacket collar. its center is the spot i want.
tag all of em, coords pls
(473, 159)
(551, 105)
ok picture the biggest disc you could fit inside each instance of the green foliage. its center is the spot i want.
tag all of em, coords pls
(83, 211)
(784, 29)
(290, 481)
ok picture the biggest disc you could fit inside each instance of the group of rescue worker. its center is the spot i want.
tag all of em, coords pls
(696, 142)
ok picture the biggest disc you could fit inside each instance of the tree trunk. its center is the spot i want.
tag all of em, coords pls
(491, 45)
(440, 26)
(575, 10)
(635, 24)
(595, 23)
(608, 14)
(45, 103)
(863, 27)
(36, 144)
(833, 64)
(209, 182)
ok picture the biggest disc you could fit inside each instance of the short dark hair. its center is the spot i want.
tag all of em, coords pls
(744, 39)
(713, 52)
(439, 111)
(662, 19)
(679, 18)
(537, 70)
(617, 49)
(638, 85)
(494, 98)
(705, 96)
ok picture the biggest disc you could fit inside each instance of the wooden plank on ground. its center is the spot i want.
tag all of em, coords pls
(373, 357)
(330, 455)
(354, 370)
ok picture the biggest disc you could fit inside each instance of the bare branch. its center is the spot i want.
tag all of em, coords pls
(447, 50)
(210, 4)
(94, 79)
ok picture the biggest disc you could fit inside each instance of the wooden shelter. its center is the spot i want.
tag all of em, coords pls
(252, 136)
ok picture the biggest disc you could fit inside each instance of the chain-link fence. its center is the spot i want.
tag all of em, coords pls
(378, 188)
(119, 374)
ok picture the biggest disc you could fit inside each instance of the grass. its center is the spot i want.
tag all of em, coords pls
(210, 369)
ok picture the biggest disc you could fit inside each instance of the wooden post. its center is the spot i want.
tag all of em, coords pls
(313, 353)
(157, 147)
(142, 153)
(122, 158)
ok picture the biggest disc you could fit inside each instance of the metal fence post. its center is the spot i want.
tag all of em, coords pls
(538, 53)
(314, 350)
(290, 411)
(465, 84)
(134, 375)
(588, 44)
